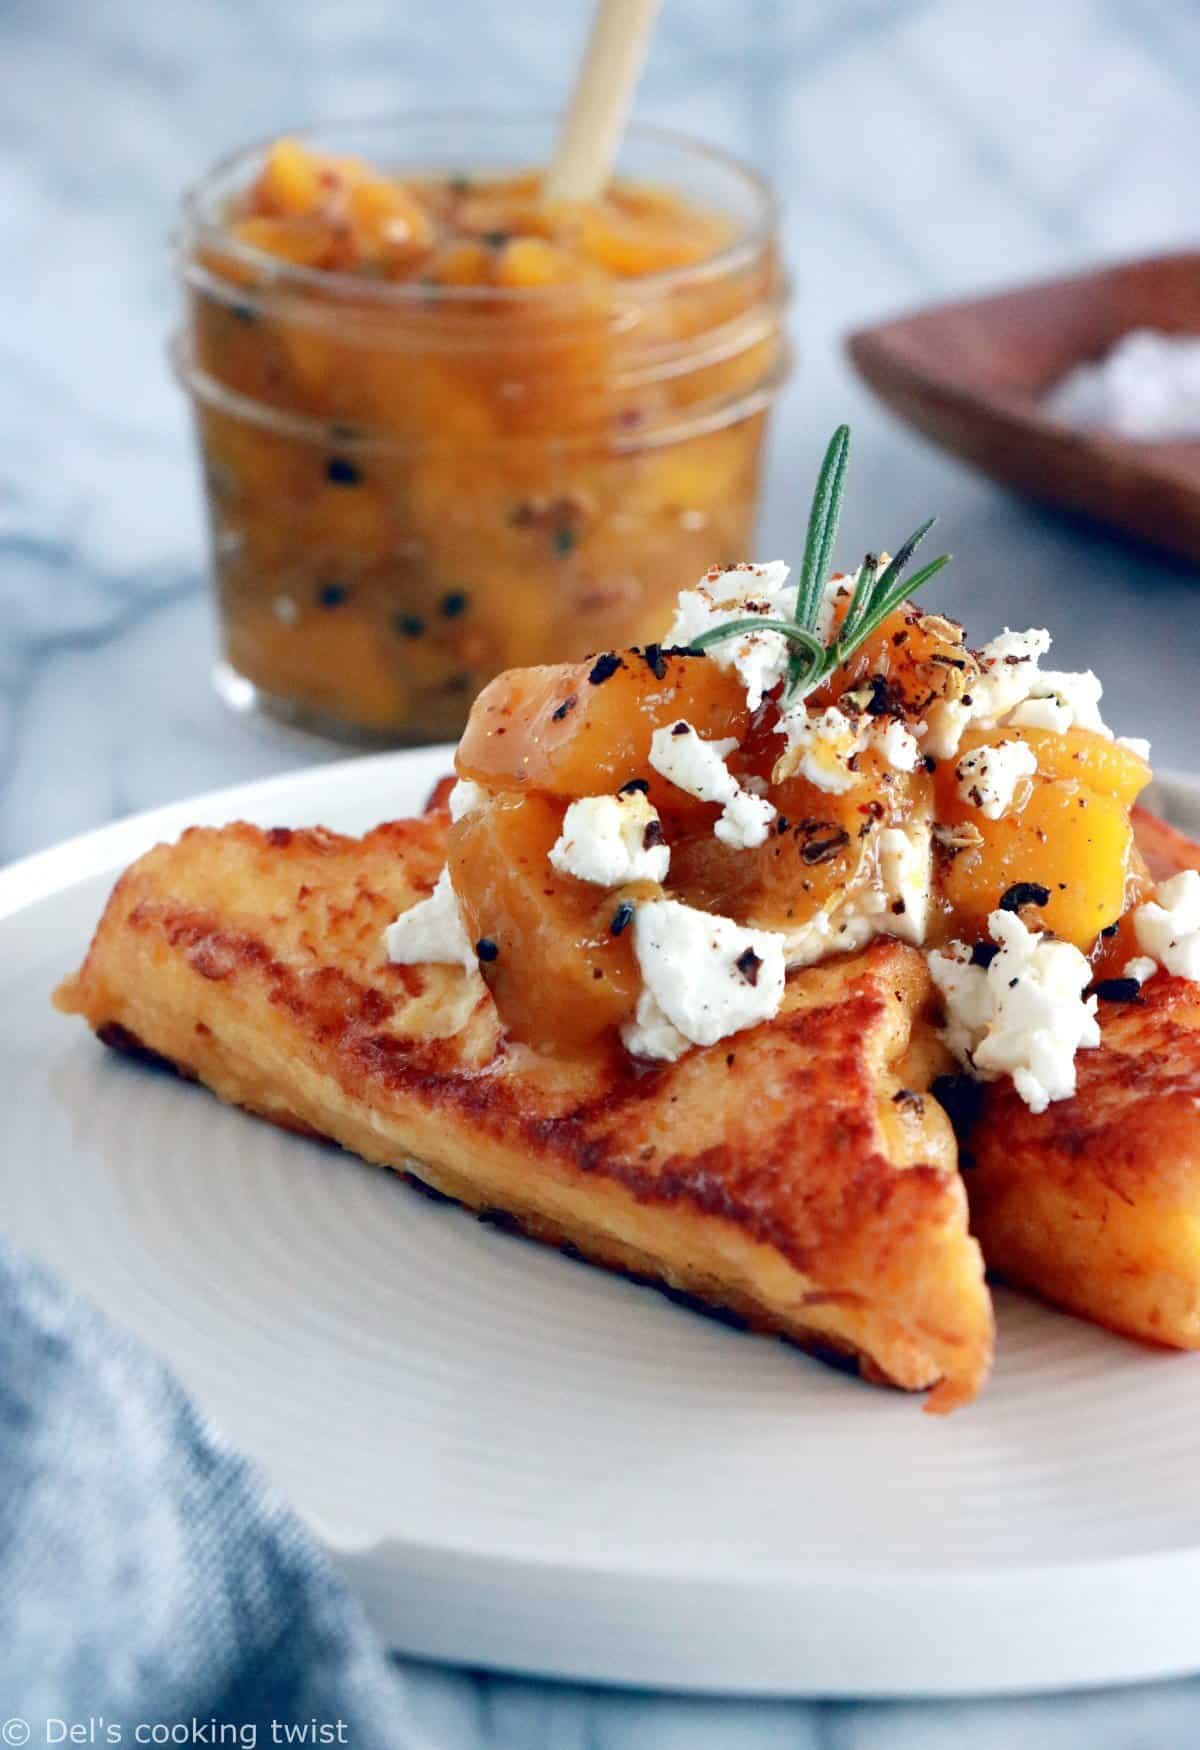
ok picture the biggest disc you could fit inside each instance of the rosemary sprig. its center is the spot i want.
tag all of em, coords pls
(876, 593)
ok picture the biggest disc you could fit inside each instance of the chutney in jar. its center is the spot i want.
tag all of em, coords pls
(450, 426)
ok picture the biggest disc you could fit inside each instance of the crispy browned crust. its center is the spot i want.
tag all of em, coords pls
(1095, 1203)
(773, 1175)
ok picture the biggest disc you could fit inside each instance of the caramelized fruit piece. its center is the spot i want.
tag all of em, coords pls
(920, 655)
(560, 976)
(555, 728)
(1079, 753)
(813, 853)
(1067, 837)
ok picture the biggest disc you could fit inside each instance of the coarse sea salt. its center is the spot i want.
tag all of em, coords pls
(1146, 387)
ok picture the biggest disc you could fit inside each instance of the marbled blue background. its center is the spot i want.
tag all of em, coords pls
(923, 148)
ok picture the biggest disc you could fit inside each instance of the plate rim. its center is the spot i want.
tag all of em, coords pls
(646, 1651)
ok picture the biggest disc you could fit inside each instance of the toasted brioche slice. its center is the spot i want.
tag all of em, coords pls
(1095, 1203)
(776, 1174)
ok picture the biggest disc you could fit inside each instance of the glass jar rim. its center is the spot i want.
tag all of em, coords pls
(201, 229)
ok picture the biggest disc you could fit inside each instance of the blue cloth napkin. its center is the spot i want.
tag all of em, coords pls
(149, 1576)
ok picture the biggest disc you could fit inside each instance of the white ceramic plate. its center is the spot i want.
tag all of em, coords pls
(525, 1463)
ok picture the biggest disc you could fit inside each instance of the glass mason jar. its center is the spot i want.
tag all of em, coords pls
(412, 487)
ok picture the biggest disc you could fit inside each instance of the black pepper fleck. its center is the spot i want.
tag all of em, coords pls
(486, 948)
(655, 661)
(909, 1097)
(604, 668)
(1110, 930)
(564, 542)
(340, 472)
(748, 963)
(1024, 893)
(332, 595)
(653, 835)
(820, 850)
(621, 918)
(454, 604)
(681, 728)
(635, 787)
(567, 706)
(1118, 990)
(409, 625)
(983, 953)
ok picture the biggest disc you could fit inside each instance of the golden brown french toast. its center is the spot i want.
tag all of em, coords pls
(796, 1175)
(1095, 1203)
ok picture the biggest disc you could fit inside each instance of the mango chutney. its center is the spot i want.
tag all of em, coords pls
(449, 427)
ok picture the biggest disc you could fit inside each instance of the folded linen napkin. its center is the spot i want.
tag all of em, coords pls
(149, 1575)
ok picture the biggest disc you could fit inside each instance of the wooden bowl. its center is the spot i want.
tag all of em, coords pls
(971, 376)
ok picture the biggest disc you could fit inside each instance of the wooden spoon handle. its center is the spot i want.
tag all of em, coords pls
(590, 135)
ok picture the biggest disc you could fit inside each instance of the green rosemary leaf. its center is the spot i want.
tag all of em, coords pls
(876, 594)
(860, 601)
(886, 604)
(758, 623)
(903, 554)
(823, 522)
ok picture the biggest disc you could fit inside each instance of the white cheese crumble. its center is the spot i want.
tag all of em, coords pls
(897, 743)
(467, 797)
(1136, 745)
(1007, 667)
(988, 776)
(604, 840)
(432, 932)
(1141, 968)
(760, 659)
(906, 876)
(821, 746)
(1168, 926)
(1060, 701)
(708, 976)
(697, 766)
(945, 721)
(843, 929)
(1024, 1015)
(650, 1034)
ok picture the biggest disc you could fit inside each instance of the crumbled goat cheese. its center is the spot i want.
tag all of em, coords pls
(1135, 744)
(821, 746)
(1168, 926)
(689, 762)
(650, 1034)
(945, 721)
(760, 659)
(431, 932)
(1071, 700)
(1024, 1014)
(709, 976)
(988, 776)
(1140, 968)
(1147, 388)
(897, 743)
(1013, 692)
(1047, 711)
(843, 929)
(1007, 670)
(610, 840)
(906, 876)
(466, 797)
